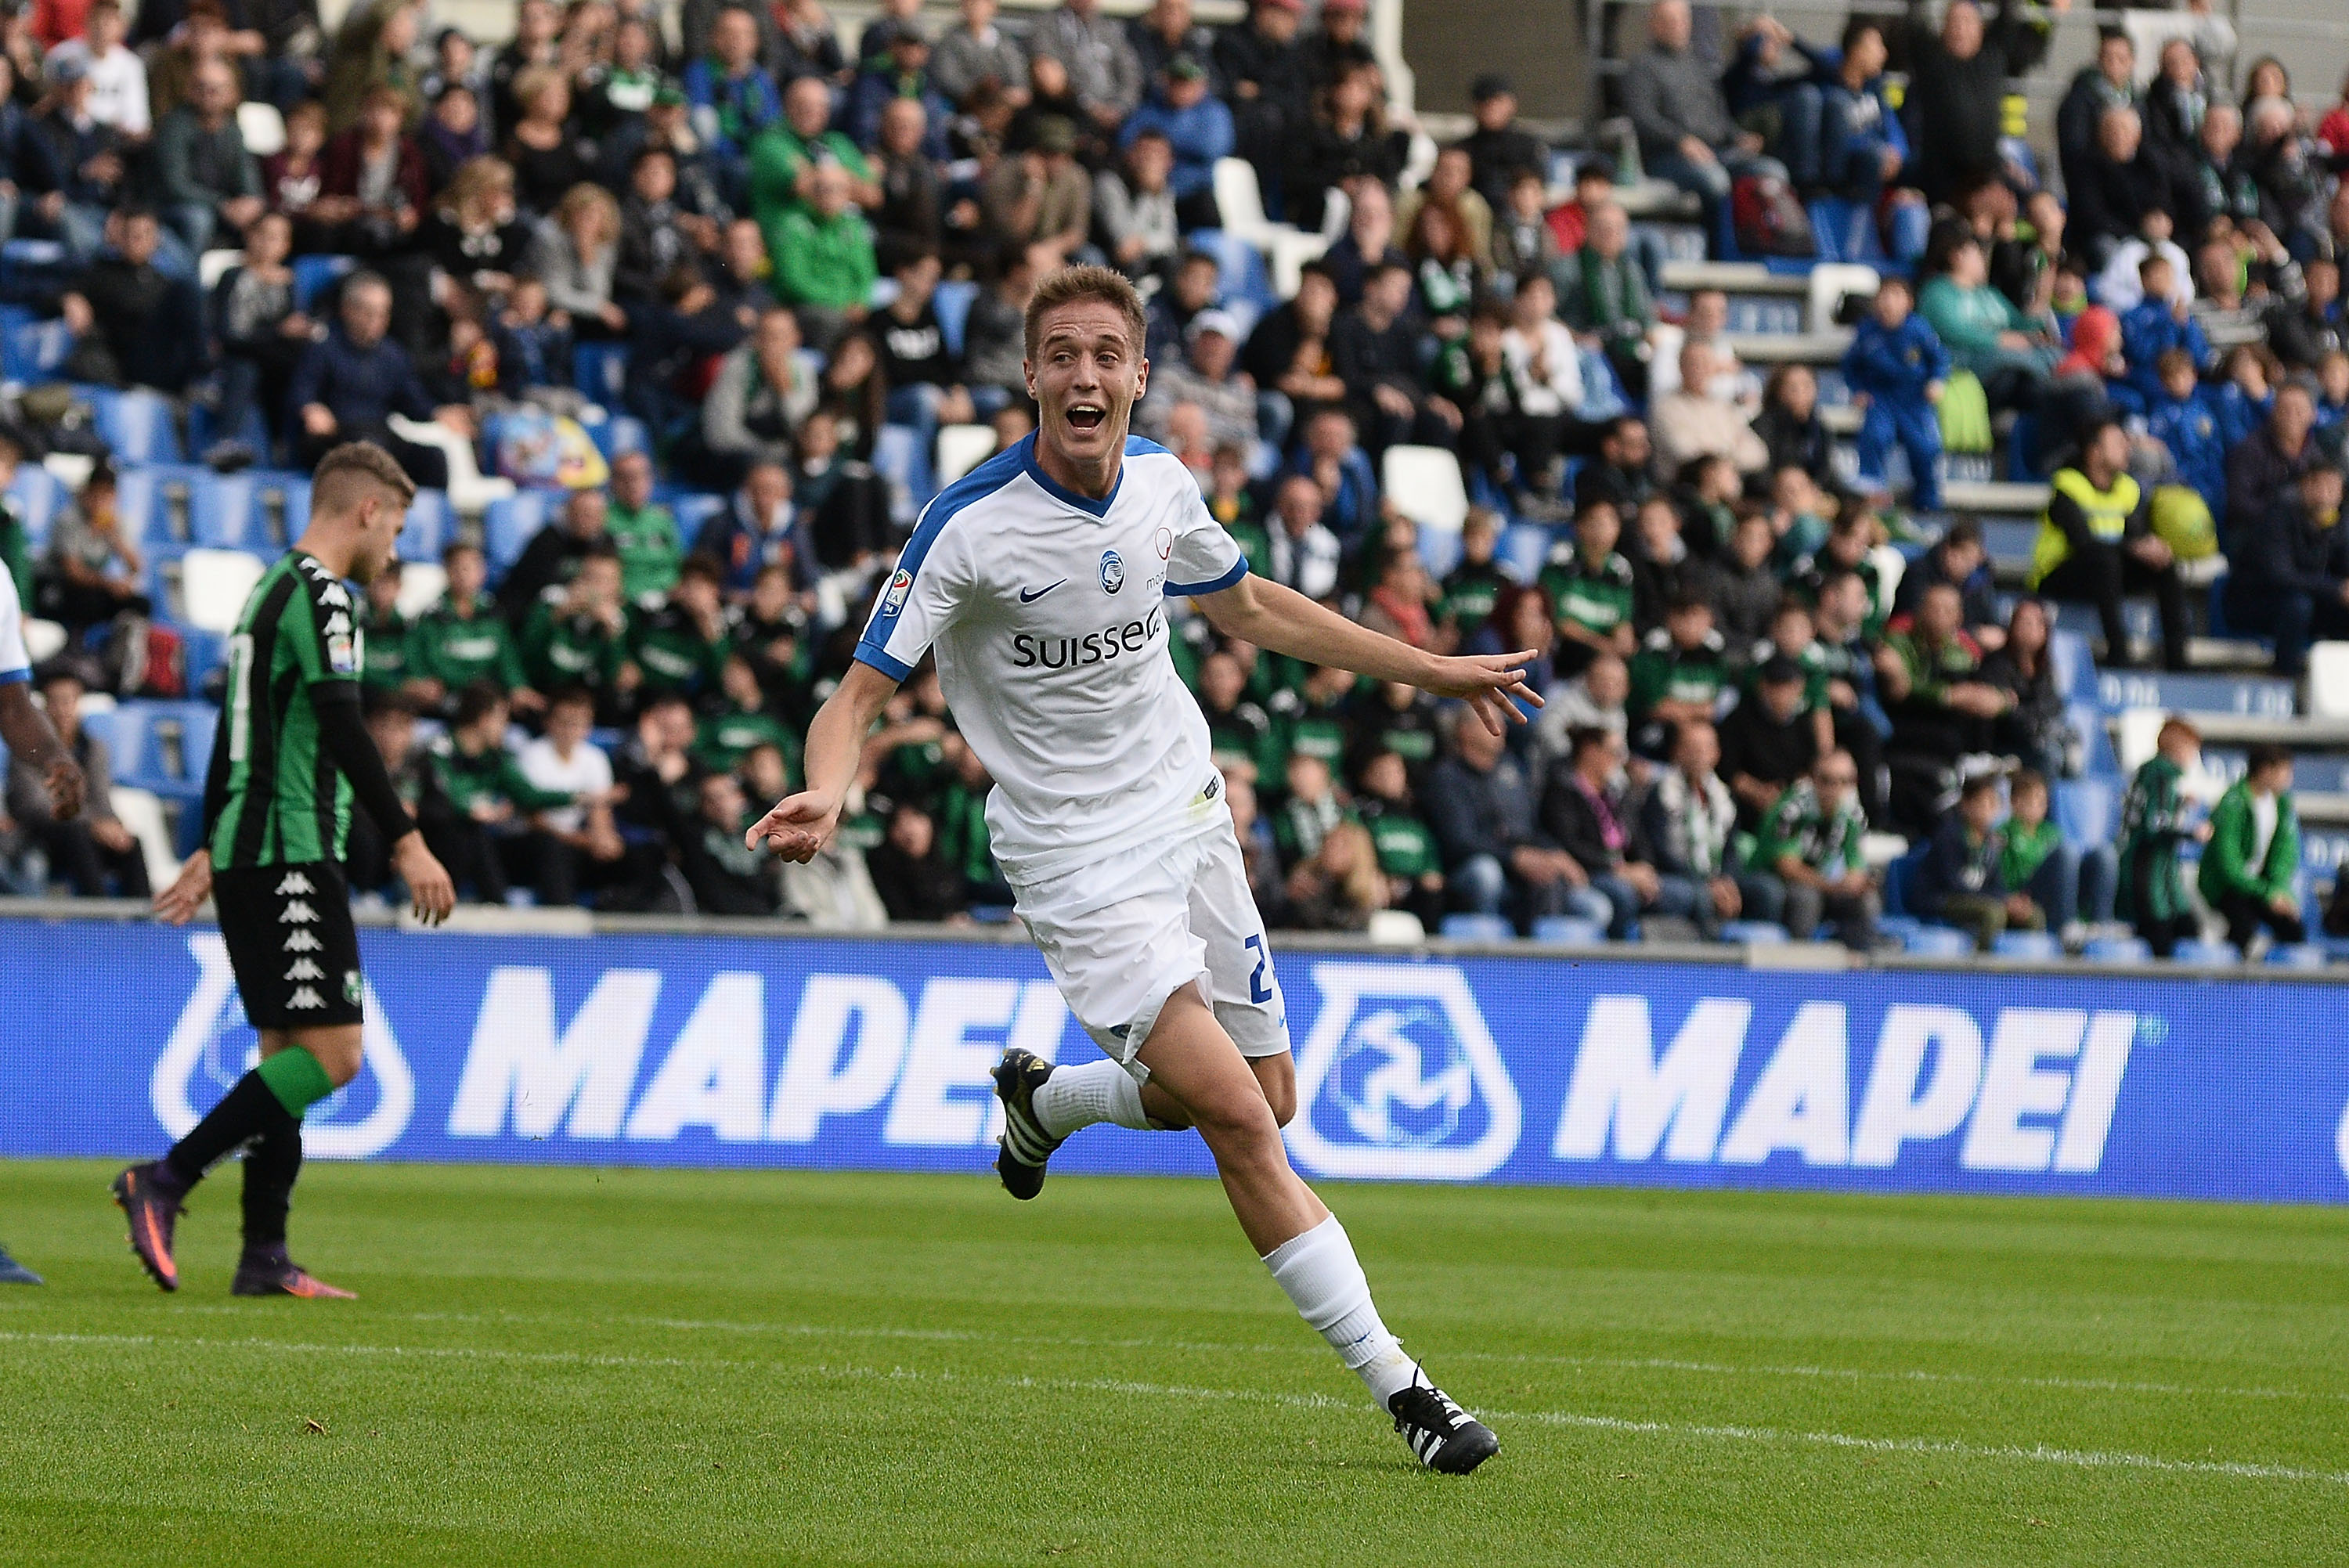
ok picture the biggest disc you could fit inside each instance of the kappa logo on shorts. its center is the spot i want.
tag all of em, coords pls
(1401, 1078)
(296, 912)
(306, 997)
(294, 882)
(303, 942)
(305, 969)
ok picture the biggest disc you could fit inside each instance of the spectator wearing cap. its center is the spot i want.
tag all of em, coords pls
(1769, 740)
(1204, 377)
(975, 50)
(94, 849)
(900, 73)
(1197, 127)
(1682, 119)
(1499, 146)
(1266, 82)
(1135, 208)
(1104, 73)
(1039, 200)
(1167, 29)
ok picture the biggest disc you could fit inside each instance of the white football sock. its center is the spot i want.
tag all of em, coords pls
(1322, 1277)
(1075, 1097)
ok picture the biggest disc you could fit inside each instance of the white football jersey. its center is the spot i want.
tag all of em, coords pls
(1047, 611)
(15, 665)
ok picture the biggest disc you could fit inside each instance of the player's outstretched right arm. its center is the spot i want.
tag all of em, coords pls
(800, 825)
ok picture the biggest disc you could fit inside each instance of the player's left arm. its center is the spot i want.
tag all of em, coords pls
(30, 736)
(1260, 611)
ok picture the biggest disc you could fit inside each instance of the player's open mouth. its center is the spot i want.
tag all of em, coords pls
(1086, 416)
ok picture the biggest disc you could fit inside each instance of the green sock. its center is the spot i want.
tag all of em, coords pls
(297, 1080)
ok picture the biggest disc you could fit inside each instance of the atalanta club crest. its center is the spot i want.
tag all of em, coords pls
(1113, 571)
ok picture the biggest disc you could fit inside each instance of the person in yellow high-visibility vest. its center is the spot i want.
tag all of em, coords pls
(2096, 544)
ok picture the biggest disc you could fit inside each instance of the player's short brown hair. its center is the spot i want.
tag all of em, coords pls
(341, 479)
(1070, 285)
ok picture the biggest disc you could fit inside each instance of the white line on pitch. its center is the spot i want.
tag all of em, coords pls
(2040, 1453)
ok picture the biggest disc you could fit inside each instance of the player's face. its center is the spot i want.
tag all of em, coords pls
(380, 519)
(1086, 376)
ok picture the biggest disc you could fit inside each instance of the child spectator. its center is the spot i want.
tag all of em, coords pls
(914, 879)
(1339, 886)
(1896, 368)
(93, 568)
(1590, 587)
(2251, 865)
(725, 876)
(1960, 881)
(2181, 416)
(1677, 674)
(386, 630)
(2156, 324)
(2068, 887)
(1405, 847)
(644, 532)
(463, 640)
(532, 343)
(2151, 890)
(682, 646)
(578, 637)
(492, 842)
(1472, 587)
(578, 845)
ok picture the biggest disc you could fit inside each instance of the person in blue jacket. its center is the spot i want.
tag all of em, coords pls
(2246, 396)
(2154, 326)
(1199, 128)
(2183, 418)
(1897, 363)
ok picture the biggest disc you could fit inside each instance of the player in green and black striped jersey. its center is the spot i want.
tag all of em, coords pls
(291, 759)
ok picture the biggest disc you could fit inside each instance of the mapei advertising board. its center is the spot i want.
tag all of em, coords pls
(709, 1050)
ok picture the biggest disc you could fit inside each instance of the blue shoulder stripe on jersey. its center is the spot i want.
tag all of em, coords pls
(981, 483)
(10, 678)
(1239, 569)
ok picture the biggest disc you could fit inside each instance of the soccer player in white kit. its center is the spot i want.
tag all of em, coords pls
(1038, 581)
(32, 737)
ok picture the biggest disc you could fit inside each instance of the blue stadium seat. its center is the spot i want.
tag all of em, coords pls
(1755, 933)
(430, 526)
(693, 511)
(952, 302)
(1563, 928)
(1439, 550)
(897, 457)
(204, 653)
(1476, 928)
(2298, 955)
(2201, 951)
(261, 509)
(1939, 941)
(137, 426)
(1900, 926)
(38, 494)
(510, 521)
(2037, 947)
(1246, 280)
(313, 274)
(618, 433)
(31, 351)
(600, 371)
(1523, 549)
(162, 747)
(1845, 232)
(33, 269)
(2088, 810)
(203, 436)
(2117, 950)
(1898, 876)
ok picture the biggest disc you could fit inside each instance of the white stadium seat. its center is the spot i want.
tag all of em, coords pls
(214, 585)
(2328, 681)
(264, 128)
(43, 640)
(143, 813)
(1425, 484)
(421, 584)
(962, 448)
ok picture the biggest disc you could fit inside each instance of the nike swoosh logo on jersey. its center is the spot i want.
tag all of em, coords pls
(1029, 595)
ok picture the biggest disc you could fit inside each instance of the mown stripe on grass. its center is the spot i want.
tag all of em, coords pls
(2037, 1453)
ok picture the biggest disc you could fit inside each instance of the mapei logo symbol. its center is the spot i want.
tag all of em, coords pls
(211, 1046)
(1401, 1078)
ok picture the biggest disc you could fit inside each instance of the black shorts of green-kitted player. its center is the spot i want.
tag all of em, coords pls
(291, 760)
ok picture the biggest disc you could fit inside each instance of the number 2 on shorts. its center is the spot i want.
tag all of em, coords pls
(1258, 992)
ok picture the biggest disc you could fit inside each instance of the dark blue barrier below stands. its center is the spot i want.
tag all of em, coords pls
(738, 1050)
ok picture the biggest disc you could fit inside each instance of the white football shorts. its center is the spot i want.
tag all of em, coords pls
(1124, 934)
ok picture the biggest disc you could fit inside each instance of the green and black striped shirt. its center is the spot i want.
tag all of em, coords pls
(298, 647)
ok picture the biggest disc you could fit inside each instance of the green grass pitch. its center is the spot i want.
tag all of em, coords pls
(627, 1366)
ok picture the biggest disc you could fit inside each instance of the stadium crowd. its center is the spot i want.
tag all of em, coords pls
(1737, 686)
